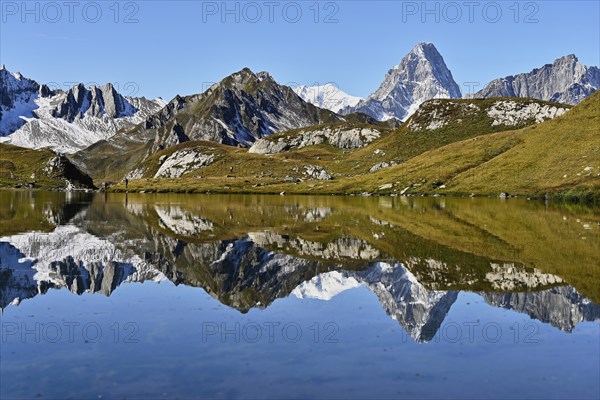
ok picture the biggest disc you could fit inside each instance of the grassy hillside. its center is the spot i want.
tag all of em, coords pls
(448, 147)
(556, 156)
(437, 123)
(26, 168)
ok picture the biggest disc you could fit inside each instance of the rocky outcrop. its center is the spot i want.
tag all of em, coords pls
(182, 162)
(316, 172)
(343, 137)
(471, 114)
(564, 81)
(61, 167)
(421, 75)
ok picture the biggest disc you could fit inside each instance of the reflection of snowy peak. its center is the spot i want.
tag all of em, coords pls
(68, 257)
(420, 311)
(16, 276)
(33, 116)
(325, 286)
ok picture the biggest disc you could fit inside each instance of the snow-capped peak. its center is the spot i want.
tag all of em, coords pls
(421, 75)
(327, 96)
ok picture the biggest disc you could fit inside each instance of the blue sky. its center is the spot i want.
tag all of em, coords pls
(163, 48)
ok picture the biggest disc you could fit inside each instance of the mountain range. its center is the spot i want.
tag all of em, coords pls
(252, 111)
(246, 106)
(327, 96)
(566, 81)
(33, 116)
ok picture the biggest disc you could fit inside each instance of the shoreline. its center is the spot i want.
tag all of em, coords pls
(584, 197)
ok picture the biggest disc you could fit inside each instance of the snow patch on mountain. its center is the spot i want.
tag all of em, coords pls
(34, 117)
(327, 96)
(17, 100)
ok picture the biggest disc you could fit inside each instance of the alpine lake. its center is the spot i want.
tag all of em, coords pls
(250, 296)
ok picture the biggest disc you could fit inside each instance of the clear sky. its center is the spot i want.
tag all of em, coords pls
(180, 47)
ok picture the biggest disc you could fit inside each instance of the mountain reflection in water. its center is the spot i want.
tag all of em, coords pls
(415, 255)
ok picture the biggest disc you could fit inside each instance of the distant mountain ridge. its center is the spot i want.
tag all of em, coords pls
(33, 116)
(564, 81)
(246, 107)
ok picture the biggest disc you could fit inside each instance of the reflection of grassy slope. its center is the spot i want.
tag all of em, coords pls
(26, 211)
(553, 240)
(465, 234)
(17, 215)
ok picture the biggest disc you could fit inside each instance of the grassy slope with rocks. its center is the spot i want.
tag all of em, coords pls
(447, 147)
(27, 168)
(556, 156)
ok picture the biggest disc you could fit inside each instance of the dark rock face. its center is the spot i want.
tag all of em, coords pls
(236, 111)
(61, 167)
(564, 81)
(95, 101)
(93, 278)
(18, 92)
(239, 273)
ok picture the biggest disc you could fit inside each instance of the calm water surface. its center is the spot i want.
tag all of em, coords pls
(193, 296)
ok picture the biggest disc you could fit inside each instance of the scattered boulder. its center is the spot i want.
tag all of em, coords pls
(316, 172)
